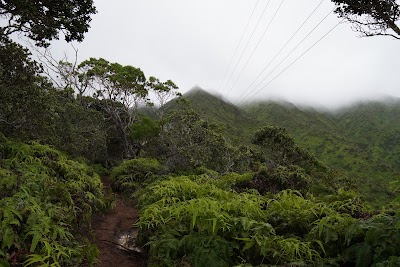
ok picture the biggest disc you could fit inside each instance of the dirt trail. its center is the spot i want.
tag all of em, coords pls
(109, 227)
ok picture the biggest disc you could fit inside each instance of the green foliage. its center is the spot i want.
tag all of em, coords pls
(278, 178)
(348, 202)
(24, 108)
(120, 89)
(119, 92)
(183, 216)
(285, 165)
(78, 130)
(42, 21)
(187, 142)
(143, 132)
(131, 174)
(48, 198)
(33, 110)
(199, 220)
(145, 129)
(100, 169)
(181, 188)
(282, 149)
(234, 123)
(233, 180)
(381, 242)
(359, 141)
(163, 92)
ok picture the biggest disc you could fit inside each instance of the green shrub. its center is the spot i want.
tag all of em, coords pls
(232, 180)
(47, 198)
(100, 169)
(200, 220)
(181, 188)
(196, 221)
(131, 174)
(278, 178)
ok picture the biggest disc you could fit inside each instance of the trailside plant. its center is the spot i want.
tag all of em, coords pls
(183, 216)
(131, 174)
(265, 217)
(45, 199)
(199, 220)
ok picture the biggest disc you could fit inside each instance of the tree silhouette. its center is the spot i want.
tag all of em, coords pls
(371, 17)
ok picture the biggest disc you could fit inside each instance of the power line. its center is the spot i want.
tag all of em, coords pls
(277, 54)
(258, 22)
(280, 63)
(305, 52)
(258, 43)
(237, 47)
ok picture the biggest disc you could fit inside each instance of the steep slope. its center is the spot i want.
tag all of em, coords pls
(236, 124)
(319, 132)
(362, 141)
(375, 127)
(212, 107)
(287, 115)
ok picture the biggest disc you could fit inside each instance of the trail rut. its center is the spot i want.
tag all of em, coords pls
(109, 227)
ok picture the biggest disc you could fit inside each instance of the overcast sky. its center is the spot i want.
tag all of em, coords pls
(192, 43)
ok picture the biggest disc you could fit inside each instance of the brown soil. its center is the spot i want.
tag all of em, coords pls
(108, 227)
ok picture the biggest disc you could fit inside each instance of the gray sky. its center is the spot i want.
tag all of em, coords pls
(192, 42)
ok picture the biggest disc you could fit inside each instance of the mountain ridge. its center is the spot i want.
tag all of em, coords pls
(362, 140)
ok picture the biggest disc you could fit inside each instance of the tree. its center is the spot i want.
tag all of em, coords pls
(371, 17)
(31, 109)
(42, 20)
(80, 131)
(280, 148)
(187, 141)
(144, 131)
(24, 107)
(163, 92)
(119, 90)
(63, 73)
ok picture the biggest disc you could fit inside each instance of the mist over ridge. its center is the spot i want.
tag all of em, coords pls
(320, 106)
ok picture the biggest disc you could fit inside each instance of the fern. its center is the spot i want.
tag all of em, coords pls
(50, 195)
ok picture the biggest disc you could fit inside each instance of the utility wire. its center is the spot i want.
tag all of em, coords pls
(280, 63)
(277, 54)
(247, 44)
(237, 47)
(305, 52)
(255, 48)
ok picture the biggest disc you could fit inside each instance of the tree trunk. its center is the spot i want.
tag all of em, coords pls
(394, 27)
(389, 22)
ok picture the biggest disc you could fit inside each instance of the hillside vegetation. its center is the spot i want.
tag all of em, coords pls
(217, 185)
(268, 184)
(231, 120)
(46, 200)
(359, 141)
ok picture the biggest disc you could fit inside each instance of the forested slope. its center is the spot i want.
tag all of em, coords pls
(232, 121)
(269, 184)
(360, 141)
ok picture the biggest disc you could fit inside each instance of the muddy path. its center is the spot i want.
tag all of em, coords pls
(114, 234)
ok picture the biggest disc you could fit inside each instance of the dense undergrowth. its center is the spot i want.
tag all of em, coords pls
(46, 202)
(216, 189)
(208, 219)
